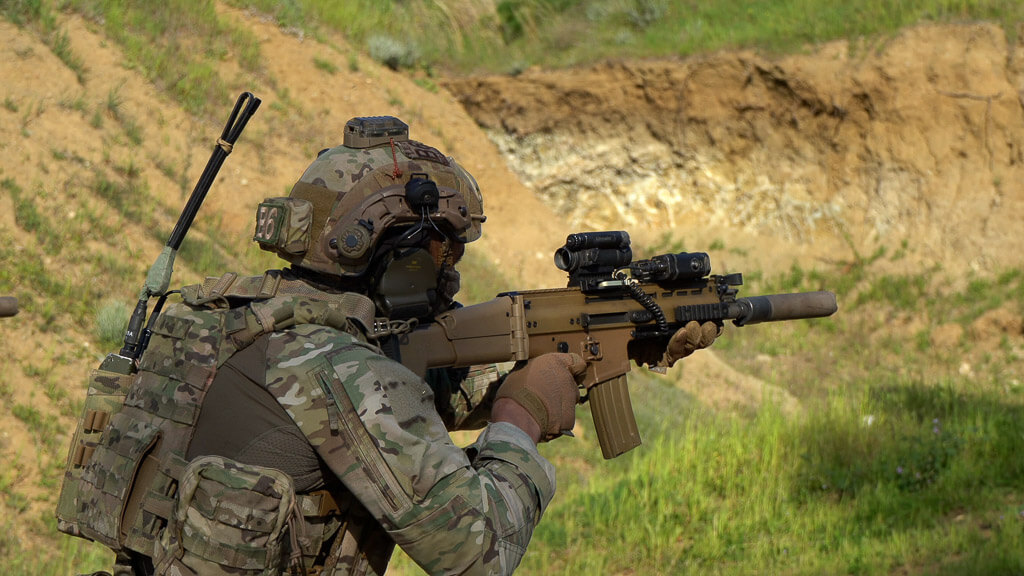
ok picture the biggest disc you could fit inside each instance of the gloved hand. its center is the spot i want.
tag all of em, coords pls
(688, 339)
(547, 387)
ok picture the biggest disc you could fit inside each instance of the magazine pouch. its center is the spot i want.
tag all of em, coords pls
(78, 501)
(230, 518)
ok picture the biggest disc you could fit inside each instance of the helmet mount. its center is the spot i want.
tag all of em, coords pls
(421, 193)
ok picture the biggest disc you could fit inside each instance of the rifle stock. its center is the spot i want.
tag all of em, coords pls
(599, 325)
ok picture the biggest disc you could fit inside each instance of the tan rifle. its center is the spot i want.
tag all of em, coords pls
(610, 312)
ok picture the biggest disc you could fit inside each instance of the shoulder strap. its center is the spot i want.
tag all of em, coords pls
(276, 303)
(217, 289)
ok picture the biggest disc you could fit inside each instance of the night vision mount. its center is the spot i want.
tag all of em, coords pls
(601, 264)
(597, 261)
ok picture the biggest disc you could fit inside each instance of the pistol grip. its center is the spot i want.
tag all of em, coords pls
(613, 417)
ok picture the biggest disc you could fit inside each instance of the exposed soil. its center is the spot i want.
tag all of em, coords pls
(915, 141)
(914, 144)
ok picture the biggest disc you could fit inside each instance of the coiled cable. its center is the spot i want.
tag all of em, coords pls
(645, 300)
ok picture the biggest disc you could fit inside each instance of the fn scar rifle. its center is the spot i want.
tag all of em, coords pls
(611, 308)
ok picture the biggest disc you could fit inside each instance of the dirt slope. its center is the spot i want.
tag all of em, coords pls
(61, 140)
(915, 140)
(518, 224)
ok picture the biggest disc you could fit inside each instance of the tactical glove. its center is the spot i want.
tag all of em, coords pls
(688, 339)
(548, 388)
(659, 353)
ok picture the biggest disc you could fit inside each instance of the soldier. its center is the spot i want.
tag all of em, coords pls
(268, 432)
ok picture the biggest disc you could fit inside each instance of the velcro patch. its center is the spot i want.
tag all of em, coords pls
(284, 223)
(418, 151)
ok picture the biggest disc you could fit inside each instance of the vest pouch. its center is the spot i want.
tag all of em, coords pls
(230, 518)
(103, 400)
(283, 225)
(108, 477)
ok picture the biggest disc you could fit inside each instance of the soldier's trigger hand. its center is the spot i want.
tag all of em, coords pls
(548, 388)
(688, 339)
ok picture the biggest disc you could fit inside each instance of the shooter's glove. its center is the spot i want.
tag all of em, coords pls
(688, 339)
(548, 388)
(660, 353)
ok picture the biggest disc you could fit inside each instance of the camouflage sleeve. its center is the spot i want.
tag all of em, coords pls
(375, 425)
(464, 397)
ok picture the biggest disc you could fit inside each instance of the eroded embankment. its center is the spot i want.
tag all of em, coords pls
(915, 142)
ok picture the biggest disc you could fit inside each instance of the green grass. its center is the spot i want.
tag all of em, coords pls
(204, 255)
(43, 426)
(896, 463)
(40, 14)
(925, 487)
(128, 196)
(111, 323)
(464, 37)
(179, 43)
(326, 65)
(481, 279)
(61, 46)
(176, 44)
(67, 556)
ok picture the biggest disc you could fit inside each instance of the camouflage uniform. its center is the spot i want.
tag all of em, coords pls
(266, 433)
(360, 440)
(375, 425)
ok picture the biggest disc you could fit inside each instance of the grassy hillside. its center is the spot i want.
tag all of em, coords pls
(506, 36)
(98, 156)
(178, 45)
(900, 453)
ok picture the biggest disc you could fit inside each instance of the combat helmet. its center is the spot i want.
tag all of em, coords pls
(352, 195)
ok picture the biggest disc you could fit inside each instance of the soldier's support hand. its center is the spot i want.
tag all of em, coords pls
(546, 389)
(688, 339)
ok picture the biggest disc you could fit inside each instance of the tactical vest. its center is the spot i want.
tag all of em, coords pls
(128, 486)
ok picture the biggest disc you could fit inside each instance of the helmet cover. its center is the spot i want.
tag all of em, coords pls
(354, 194)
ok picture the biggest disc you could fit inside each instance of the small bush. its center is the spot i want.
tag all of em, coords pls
(111, 323)
(510, 19)
(392, 52)
(643, 13)
(325, 65)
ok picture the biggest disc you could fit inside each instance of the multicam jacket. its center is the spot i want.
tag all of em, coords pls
(306, 450)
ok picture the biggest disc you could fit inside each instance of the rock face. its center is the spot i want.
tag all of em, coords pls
(914, 144)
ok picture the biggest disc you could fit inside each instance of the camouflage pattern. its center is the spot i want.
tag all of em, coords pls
(229, 518)
(463, 397)
(105, 395)
(374, 423)
(120, 492)
(358, 194)
(284, 223)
